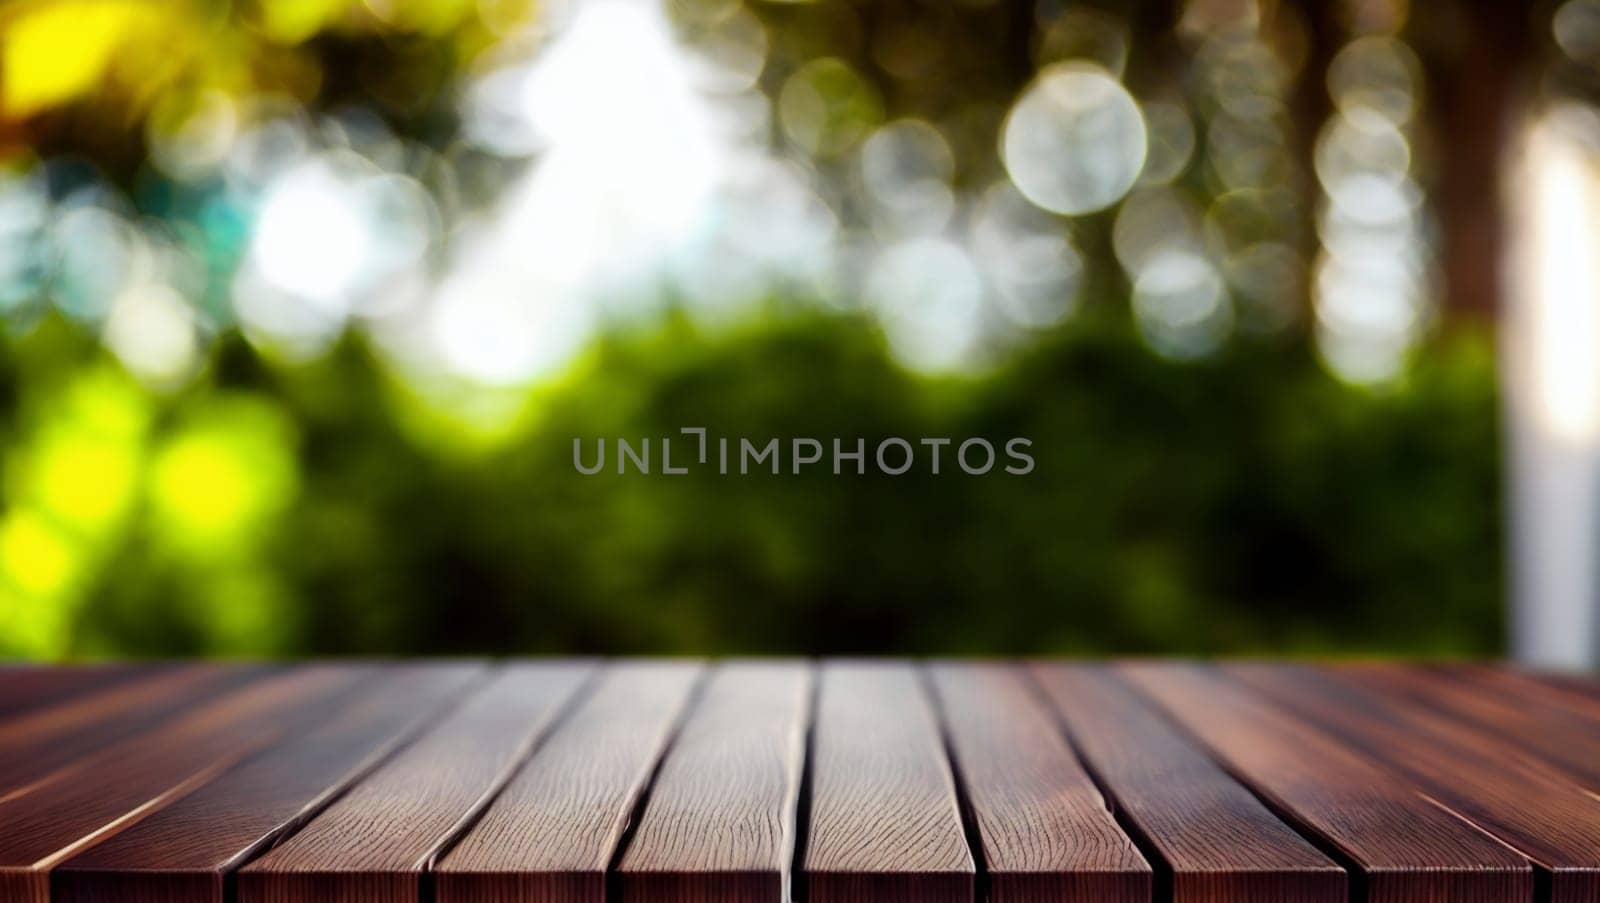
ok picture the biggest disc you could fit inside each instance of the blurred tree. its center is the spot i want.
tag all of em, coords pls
(1247, 503)
(1241, 502)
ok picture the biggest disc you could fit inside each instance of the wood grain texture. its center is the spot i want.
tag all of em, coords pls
(182, 853)
(1217, 842)
(23, 688)
(1513, 795)
(58, 817)
(1536, 722)
(37, 743)
(1045, 830)
(1586, 688)
(1560, 727)
(1580, 696)
(375, 842)
(552, 833)
(1406, 848)
(720, 824)
(666, 782)
(885, 823)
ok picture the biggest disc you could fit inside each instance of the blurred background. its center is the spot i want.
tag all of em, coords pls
(303, 302)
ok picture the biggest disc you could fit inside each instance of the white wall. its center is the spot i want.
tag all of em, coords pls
(1551, 363)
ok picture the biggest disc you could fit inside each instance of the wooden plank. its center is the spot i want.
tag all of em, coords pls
(56, 818)
(183, 853)
(885, 822)
(1537, 723)
(1511, 794)
(720, 824)
(43, 741)
(1182, 804)
(28, 687)
(1044, 827)
(375, 842)
(1577, 695)
(555, 829)
(1405, 848)
(1561, 682)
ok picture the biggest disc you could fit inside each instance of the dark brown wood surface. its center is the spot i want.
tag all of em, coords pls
(375, 842)
(885, 822)
(1563, 684)
(35, 686)
(55, 818)
(553, 832)
(1404, 847)
(182, 854)
(720, 824)
(1182, 804)
(1579, 696)
(1561, 728)
(45, 740)
(1045, 831)
(1529, 805)
(800, 782)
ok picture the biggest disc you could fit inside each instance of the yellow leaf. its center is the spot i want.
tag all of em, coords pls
(216, 483)
(58, 51)
(431, 17)
(293, 21)
(35, 557)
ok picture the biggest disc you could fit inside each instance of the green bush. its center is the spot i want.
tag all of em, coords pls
(1248, 503)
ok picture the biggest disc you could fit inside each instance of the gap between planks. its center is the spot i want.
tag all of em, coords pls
(802, 807)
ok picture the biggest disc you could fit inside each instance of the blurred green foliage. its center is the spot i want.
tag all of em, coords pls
(1245, 503)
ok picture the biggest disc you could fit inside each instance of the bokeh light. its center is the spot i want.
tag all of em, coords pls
(1378, 73)
(1576, 27)
(928, 294)
(37, 559)
(24, 217)
(94, 252)
(1031, 264)
(222, 477)
(190, 137)
(906, 168)
(151, 330)
(826, 107)
(1171, 142)
(312, 239)
(1075, 32)
(1373, 281)
(1181, 304)
(1074, 142)
(311, 250)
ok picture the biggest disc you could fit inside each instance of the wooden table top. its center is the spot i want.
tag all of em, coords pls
(860, 781)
